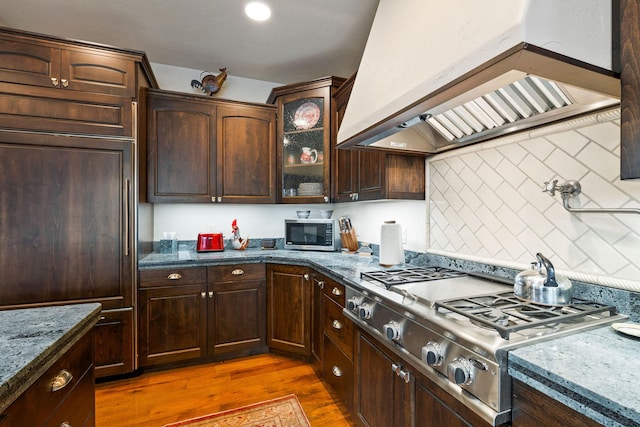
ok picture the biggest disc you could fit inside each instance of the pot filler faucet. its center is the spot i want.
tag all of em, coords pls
(571, 189)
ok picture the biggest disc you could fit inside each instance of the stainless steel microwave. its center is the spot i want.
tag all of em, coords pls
(316, 234)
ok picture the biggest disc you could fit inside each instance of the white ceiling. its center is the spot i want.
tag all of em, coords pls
(303, 40)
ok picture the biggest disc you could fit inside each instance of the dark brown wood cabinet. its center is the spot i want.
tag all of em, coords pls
(237, 312)
(382, 397)
(630, 90)
(337, 335)
(201, 312)
(533, 408)
(306, 122)
(68, 210)
(359, 175)
(289, 309)
(71, 405)
(202, 150)
(50, 84)
(68, 139)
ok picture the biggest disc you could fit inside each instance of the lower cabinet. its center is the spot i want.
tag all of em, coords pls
(533, 408)
(73, 404)
(201, 312)
(114, 342)
(382, 397)
(289, 309)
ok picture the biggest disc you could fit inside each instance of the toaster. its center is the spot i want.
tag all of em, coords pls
(210, 242)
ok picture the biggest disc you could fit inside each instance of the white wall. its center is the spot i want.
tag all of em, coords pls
(236, 88)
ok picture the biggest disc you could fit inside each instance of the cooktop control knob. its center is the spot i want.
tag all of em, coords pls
(352, 304)
(432, 354)
(364, 311)
(392, 331)
(460, 371)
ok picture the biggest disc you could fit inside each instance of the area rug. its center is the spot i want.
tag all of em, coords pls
(281, 412)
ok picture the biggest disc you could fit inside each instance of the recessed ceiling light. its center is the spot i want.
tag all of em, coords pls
(257, 11)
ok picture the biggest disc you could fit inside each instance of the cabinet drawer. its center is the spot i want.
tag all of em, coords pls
(172, 276)
(335, 291)
(338, 327)
(338, 372)
(236, 272)
(78, 407)
(39, 401)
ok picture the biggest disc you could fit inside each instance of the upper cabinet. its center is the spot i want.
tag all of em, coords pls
(630, 80)
(58, 85)
(209, 151)
(359, 175)
(306, 134)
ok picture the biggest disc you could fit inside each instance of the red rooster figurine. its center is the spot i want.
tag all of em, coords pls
(238, 242)
(210, 83)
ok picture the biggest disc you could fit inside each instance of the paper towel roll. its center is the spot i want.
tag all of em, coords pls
(391, 250)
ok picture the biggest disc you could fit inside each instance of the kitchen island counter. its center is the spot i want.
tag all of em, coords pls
(594, 372)
(33, 339)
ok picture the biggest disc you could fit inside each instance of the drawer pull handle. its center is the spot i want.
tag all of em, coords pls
(174, 276)
(61, 380)
(336, 291)
(336, 371)
(238, 272)
(336, 324)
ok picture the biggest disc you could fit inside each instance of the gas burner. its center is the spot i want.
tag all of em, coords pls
(400, 276)
(519, 314)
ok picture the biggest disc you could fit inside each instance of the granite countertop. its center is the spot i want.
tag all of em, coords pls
(32, 339)
(345, 267)
(596, 372)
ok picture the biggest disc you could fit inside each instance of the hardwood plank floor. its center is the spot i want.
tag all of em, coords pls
(161, 397)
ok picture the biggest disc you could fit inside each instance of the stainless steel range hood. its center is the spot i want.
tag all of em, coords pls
(523, 87)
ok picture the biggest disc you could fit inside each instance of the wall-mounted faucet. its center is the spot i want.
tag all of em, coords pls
(571, 189)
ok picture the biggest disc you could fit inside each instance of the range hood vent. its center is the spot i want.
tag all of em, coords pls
(526, 86)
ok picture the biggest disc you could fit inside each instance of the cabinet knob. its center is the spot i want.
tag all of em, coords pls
(61, 380)
(238, 272)
(326, 199)
(219, 199)
(321, 284)
(65, 82)
(203, 294)
(66, 424)
(336, 371)
(336, 291)
(336, 324)
(54, 81)
(213, 199)
(210, 294)
(174, 276)
(305, 276)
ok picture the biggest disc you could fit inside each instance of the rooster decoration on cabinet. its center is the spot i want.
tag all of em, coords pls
(210, 83)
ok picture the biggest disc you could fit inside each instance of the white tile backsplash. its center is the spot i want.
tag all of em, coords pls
(486, 201)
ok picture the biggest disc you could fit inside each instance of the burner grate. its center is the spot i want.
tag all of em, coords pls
(505, 313)
(401, 276)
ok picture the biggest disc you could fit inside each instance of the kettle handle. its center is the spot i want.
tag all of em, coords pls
(551, 274)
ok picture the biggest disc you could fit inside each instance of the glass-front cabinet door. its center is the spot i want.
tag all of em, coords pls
(305, 132)
(303, 148)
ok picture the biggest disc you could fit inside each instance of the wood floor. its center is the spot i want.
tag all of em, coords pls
(157, 398)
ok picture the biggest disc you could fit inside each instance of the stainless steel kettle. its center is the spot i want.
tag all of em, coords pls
(543, 287)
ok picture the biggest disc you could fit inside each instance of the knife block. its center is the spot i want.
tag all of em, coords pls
(349, 240)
